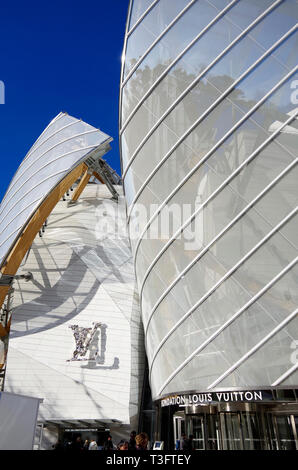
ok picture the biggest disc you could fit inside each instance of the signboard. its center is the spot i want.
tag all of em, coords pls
(218, 397)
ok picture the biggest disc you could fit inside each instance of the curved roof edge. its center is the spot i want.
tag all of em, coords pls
(53, 164)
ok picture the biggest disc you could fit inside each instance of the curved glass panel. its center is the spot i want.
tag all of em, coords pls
(208, 177)
(219, 121)
(64, 144)
(270, 359)
(217, 215)
(193, 62)
(242, 184)
(154, 23)
(216, 262)
(138, 9)
(199, 327)
(176, 39)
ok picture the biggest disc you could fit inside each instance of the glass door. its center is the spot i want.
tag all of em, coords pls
(179, 430)
(294, 420)
(285, 432)
(196, 428)
(252, 432)
(231, 431)
(213, 432)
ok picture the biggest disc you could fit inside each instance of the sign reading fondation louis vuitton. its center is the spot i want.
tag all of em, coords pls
(216, 397)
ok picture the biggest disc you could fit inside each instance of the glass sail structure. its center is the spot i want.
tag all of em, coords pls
(63, 145)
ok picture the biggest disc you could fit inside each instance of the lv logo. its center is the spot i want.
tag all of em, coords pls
(83, 338)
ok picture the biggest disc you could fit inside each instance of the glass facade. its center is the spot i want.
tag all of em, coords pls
(209, 134)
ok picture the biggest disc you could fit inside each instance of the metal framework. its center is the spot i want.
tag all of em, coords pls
(144, 176)
(261, 343)
(196, 81)
(205, 114)
(142, 17)
(232, 222)
(165, 72)
(220, 281)
(134, 68)
(228, 322)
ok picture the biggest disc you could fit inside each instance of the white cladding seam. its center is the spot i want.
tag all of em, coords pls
(227, 323)
(233, 221)
(214, 194)
(165, 72)
(134, 68)
(284, 376)
(220, 281)
(258, 346)
(198, 121)
(36, 186)
(48, 163)
(18, 213)
(142, 17)
(194, 83)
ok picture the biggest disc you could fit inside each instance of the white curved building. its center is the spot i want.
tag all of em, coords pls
(208, 126)
(73, 330)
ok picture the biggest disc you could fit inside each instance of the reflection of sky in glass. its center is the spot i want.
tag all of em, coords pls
(199, 164)
(177, 37)
(220, 34)
(150, 28)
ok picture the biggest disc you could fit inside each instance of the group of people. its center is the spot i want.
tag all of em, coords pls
(136, 442)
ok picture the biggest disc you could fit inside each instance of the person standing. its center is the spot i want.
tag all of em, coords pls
(184, 442)
(142, 440)
(93, 445)
(187, 444)
(123, 445)
(132, 441)
(77, 444)
(108, 445)
(86, 444)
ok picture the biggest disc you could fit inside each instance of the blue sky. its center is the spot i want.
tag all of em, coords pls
(58, 56)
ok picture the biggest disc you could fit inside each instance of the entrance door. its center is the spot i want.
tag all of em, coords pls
(196, 427)
(179, 427)
(212, 431)
(285, 432)
(231, 431)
